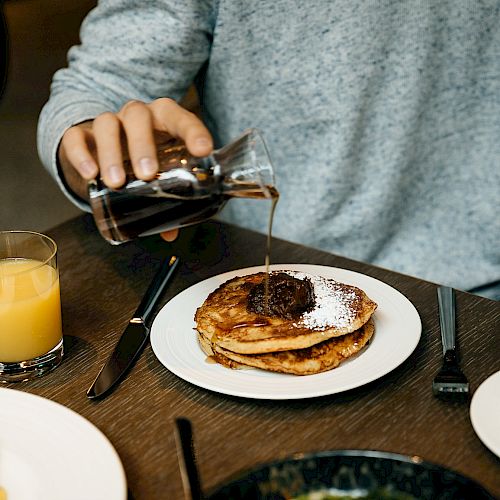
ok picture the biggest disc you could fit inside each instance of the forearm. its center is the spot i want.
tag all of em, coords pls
(56, 118)
(139, 58)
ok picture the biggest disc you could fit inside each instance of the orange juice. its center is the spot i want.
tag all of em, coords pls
(30, 309)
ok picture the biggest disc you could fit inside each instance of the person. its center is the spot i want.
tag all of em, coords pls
(382, 118)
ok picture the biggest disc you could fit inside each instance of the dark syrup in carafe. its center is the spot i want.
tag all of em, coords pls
(133, 216)
(124, 215)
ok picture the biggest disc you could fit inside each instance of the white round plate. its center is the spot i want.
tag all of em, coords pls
(48, 451)
(485, 412)
(397, 332)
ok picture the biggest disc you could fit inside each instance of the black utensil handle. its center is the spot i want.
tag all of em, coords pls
(156, 287)
(446, 301)
(187, 459)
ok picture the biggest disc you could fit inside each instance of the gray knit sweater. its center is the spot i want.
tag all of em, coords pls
(382, 118)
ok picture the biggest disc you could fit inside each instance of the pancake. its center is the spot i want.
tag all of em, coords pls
(224, 319)
(315, 359)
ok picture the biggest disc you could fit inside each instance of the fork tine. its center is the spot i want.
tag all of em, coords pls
(450, 382)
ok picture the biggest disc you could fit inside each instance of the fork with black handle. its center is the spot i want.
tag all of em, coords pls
(450, 382)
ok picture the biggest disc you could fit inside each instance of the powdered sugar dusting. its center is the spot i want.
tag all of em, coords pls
(334, 303)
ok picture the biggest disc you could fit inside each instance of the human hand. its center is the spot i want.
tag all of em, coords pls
(98, 147)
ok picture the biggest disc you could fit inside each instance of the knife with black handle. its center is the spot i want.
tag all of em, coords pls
(134, 337)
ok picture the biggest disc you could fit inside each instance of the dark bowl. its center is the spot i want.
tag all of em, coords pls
(349, 474)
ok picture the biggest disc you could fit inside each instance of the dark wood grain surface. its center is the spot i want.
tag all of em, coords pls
(101, 287)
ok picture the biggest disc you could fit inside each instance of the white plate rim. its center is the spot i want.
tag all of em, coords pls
(20, 417)
(197, 373)
(485, 412)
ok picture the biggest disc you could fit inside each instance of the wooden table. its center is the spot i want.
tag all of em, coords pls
(101, 288)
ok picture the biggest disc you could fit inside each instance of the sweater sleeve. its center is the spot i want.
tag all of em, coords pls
(128, 50)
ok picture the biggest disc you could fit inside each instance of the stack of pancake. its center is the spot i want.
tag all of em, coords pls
(291, 322)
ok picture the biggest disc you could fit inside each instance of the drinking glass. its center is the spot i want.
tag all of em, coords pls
(31, 341)
(186, 190)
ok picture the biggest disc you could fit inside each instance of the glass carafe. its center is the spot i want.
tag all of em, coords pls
(186, 190)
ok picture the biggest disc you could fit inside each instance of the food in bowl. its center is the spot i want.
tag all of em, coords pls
(350, 474)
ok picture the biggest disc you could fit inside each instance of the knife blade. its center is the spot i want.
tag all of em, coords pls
(134, 337)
